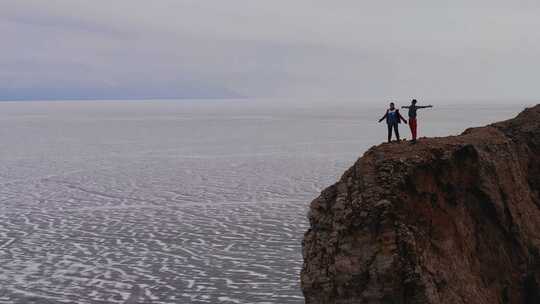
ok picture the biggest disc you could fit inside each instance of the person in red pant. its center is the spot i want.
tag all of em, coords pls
(412, 117)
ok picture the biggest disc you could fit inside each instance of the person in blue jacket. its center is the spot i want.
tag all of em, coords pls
(393, 119)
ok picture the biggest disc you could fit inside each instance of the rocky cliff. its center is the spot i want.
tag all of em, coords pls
(448, 220)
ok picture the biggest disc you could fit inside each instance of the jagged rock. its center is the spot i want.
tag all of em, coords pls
(448, 220)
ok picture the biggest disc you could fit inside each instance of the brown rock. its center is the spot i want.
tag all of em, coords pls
(448, 220)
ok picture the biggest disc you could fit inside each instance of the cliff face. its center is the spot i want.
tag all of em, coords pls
(448, 220)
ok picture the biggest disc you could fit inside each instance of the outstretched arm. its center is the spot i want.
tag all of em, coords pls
(382, 118)
(401, 117)
(405, 107)
(423, 107)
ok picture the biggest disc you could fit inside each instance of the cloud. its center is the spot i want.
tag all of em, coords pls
(361, 49)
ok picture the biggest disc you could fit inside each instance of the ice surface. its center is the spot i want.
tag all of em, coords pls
(174, 202)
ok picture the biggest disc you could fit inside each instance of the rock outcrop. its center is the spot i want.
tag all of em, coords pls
(447, 220)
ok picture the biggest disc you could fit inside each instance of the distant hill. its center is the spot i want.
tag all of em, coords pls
(70, 93)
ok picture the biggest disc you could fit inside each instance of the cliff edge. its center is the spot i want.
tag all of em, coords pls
(448, 220)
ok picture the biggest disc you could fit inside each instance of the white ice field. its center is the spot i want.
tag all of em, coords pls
(175, 201)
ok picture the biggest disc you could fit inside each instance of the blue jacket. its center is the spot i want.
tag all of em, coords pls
(393, 117)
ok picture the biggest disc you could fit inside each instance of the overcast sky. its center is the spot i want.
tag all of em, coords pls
(274, 48)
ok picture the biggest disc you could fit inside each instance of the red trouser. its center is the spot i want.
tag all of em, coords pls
(412, 125)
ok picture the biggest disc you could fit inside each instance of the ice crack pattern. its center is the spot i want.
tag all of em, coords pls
(169, 202)
(146, 254)
(154, 203)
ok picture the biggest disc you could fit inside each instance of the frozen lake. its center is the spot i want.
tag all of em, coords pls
(175, 202)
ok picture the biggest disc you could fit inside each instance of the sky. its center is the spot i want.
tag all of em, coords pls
(69, 49)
